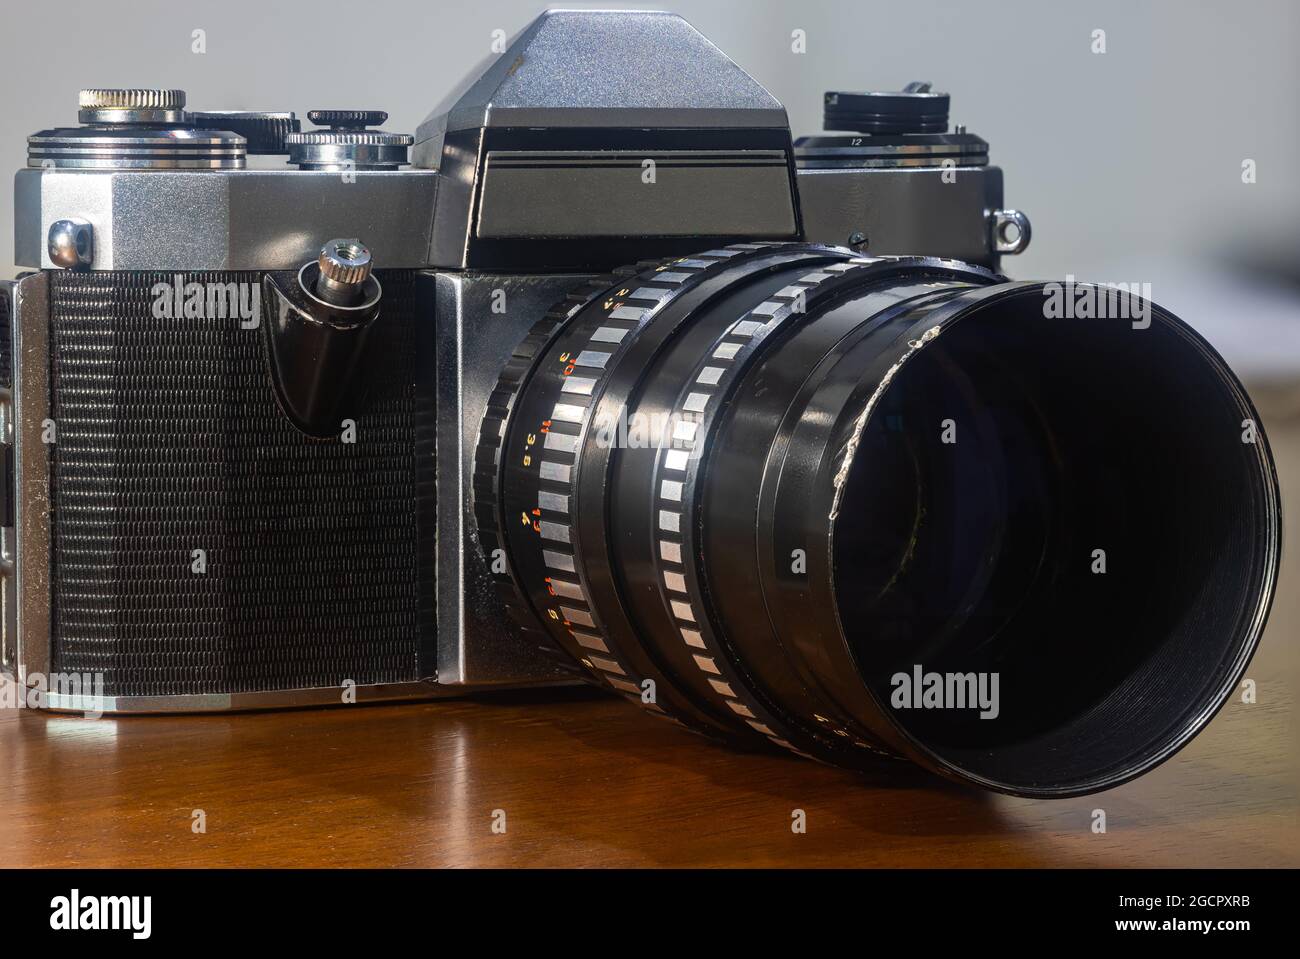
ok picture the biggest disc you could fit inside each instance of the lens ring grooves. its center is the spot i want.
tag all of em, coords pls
(492, 436)
(615, 497)
(731, 508)
(549, 448)
(548, 554)
(566, 603)
(677, 484)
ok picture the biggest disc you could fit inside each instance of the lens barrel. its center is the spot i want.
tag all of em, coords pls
(1024, 534)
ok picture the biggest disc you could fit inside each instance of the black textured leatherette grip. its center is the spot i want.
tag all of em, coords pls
(170, 439)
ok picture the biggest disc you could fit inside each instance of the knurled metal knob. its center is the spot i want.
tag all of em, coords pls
(349, 138)
(347, 119)
(131, 105)
(132, 99)
(264, 132)
(914, 109)
(346, 144)
(345, 262)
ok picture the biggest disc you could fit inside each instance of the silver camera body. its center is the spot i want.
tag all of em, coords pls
(190, 525)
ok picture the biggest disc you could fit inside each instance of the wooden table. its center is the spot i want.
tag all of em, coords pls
(584, 780)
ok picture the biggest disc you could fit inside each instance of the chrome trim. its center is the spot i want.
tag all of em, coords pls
(8, 569)
(252, 219)
(999, 220)
(477, 646)
(235, 702)
(31, 324)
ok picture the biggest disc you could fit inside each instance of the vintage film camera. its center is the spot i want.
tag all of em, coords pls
(298, 416)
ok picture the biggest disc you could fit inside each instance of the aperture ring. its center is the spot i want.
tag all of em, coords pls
(588, 345)
(492, 436)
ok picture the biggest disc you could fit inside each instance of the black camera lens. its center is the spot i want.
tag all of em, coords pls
(1025, 534)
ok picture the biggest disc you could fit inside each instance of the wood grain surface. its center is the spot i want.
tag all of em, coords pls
(588, 781)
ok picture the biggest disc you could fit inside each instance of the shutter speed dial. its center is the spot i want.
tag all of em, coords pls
(347, 142)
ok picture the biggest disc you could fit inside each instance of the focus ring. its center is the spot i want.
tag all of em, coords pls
(543, 460)
(560, 546)
(676, 473)
(678, 481)
(548, 448)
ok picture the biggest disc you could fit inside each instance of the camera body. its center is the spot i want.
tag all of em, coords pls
(603, 376)
(229, 490)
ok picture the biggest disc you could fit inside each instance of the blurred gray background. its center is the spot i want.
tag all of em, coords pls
(1127, 162)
